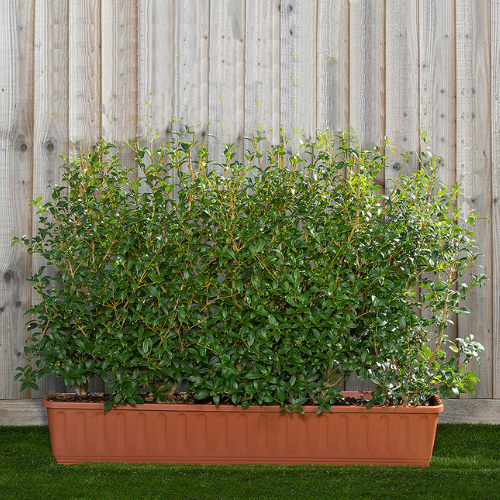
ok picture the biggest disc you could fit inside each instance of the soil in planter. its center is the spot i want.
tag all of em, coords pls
(183, 398)
(177, 398)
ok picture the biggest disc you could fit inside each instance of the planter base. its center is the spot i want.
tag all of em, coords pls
(205, 434)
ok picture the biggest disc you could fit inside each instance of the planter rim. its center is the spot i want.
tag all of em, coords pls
(436, 406)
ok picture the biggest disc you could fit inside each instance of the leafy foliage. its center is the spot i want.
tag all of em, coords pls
(268, 281)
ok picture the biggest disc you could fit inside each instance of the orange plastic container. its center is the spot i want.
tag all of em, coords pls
(206, 434)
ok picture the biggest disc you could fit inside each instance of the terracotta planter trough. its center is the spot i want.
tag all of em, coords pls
(206, 434)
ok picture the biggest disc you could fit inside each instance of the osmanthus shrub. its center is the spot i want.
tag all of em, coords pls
(262, 281)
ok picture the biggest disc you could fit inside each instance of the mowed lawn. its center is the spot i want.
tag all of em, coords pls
(465, 465)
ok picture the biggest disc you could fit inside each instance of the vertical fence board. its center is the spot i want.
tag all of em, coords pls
(119, 73)
(366, 90)
(401, 77)
(191, 67)
(84, 126)
(494, 281)
(16, 147)
(474, 159)
(298, 69)
(367, 71)
(84, 74)
(51, 115)
(402, 89)
(438, 95)
(226, 73)
(192, 30)
(155, 93)
(437, 82)
(262, 76)
(332, 106)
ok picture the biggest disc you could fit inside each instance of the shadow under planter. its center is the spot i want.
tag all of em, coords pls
(207, 434)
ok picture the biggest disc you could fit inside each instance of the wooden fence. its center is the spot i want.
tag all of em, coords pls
(74, 70)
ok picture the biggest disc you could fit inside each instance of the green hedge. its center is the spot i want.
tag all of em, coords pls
(267, 281)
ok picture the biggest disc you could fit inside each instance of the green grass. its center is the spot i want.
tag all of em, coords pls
(465, 465)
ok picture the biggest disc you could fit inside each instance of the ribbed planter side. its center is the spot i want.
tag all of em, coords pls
(179, 433)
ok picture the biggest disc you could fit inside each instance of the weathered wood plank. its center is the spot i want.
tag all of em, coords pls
(333, 87)
(84, 126)
(16, 156)
(367, 71)
(84, 74)
(155, 68)
(474, 159)
(191, 86)
(119, 69)
(437, 82)
(298, 70)
(191, 68)
(402, 89)
(438, 95)
(366, 95)
(155, 92)
(495, 210)
(51, 116)
(119, 65)
(226, 74)
(119, 73)
(262, 70)
(470, 411)
(23, 412)
(402, 85)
